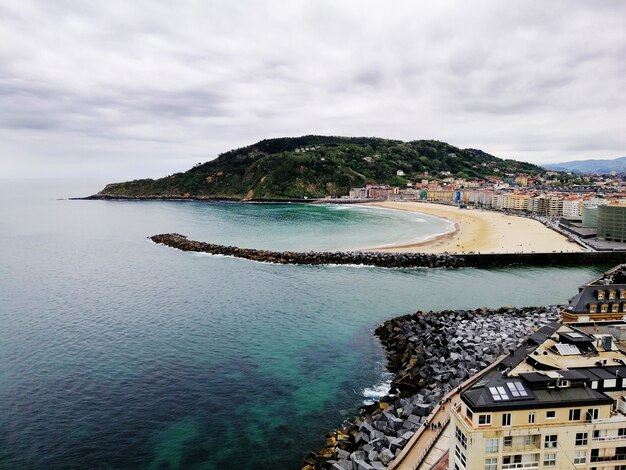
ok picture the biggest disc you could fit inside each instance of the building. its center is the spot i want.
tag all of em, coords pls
(590, 216)
(603, 299)
(572, 208)
(557, 402)
(540, 205)
(517, 202)
(611, 223)
(440, 195)
(555, 206)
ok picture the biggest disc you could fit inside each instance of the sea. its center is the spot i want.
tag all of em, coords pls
(117, 353)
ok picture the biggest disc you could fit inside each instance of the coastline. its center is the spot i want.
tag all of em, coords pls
(383, 433)
(479, 231)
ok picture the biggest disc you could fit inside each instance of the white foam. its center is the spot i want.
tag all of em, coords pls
(376, 392)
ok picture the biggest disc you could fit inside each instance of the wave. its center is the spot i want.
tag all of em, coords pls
(376, 392)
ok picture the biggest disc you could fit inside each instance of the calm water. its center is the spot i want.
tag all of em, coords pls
(118, 353)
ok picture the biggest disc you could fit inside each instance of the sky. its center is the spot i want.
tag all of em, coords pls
(129, 89)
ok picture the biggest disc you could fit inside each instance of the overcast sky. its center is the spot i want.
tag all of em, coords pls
(126, 89)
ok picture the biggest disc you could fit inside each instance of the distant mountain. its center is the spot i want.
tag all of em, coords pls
(617, 165)
(317, 166)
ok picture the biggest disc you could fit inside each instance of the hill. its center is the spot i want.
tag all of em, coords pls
(319, 166)
(617, 165)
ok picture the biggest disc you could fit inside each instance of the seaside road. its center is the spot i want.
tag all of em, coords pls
(425, 438)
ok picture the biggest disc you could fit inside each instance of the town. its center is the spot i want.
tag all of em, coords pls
(592, 213)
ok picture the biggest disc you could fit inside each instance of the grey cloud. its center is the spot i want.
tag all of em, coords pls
(131, 81)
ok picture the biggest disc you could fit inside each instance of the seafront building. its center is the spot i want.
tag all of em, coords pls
(557, 402)
(611, 223)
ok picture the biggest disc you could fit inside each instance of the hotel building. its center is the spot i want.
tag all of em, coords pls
(556, 402)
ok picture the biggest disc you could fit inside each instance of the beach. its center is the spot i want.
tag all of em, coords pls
(480, 231)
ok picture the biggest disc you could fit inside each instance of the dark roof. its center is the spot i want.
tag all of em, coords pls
(599, 373)
(543, 333)
(575, 337)
(619, 371)
(535, 379)
(580, 303)
(538, 337)
(572, 374)
(479, 398)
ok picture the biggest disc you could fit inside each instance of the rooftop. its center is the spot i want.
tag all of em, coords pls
(559, 365)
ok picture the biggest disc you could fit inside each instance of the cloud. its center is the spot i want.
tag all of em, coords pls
(155, 87)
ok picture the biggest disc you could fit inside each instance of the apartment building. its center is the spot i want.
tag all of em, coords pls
(555, 403)
(573, 207)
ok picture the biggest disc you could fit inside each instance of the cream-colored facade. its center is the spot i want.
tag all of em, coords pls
(557, 405)
(440, 195)
(538, 438)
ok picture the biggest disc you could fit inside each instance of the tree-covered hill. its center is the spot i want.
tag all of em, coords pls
(317, 166)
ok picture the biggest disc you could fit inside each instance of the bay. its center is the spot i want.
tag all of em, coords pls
(118, 353)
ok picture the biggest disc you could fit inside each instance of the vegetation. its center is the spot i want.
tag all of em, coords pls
(318, 166)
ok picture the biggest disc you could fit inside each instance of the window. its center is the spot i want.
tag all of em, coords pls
(580, 457)
(461, 437)
(550, 414)
(621, 432)
(507, 441)
(593, 308)
(581, 439)
(549, 442)
(574, 415)
(531, 440)
(592, 413)
(460, 456)
(549, 460)
(470, 415)
(506, 419)
(600, 295)
(491, 463)
(491, 445)
(484, 420)
(531, 417)
(509, 459)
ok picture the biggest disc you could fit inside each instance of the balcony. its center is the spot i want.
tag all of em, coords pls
(607, 458)
(608, 438)
(507, 466)
(521, 447)
(618, 418)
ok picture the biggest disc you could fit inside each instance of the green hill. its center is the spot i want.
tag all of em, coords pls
(319, 166)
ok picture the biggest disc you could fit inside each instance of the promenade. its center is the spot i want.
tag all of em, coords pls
(425, 439)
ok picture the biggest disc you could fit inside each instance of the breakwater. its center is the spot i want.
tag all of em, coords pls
(429, 354)
(393, 260)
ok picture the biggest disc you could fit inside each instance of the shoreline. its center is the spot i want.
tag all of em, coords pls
(382, 434)
(479, 231)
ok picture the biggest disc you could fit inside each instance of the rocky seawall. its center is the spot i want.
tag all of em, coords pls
(429, 354)
(390, 259)
(386, 260)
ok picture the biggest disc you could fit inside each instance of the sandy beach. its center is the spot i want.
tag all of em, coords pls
(481, 231)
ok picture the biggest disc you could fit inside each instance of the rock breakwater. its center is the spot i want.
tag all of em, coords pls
(429, 353)
(386, 260)
(392, 259)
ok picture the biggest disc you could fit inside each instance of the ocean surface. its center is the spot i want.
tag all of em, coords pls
(118, 353)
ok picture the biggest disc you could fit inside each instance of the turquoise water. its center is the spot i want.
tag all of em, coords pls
(118, 353)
